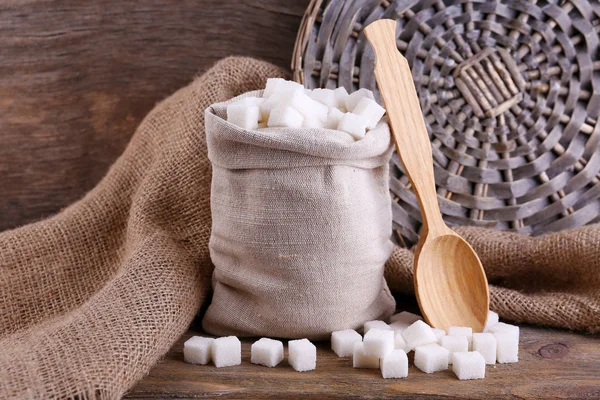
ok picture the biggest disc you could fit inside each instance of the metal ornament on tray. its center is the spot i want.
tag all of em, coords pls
(510, 94)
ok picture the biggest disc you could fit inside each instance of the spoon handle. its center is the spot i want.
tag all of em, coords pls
(406, 120)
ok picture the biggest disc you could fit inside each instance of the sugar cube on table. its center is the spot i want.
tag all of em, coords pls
(468, 365)
(375, 325)
(226, 351)
(431, 358)
(245, 117)
(361, 360)
(503, 327)
(354, 97)
(399, 342)
(324, 96)
(405, 317)
(462, 331)
(342, 342)
(378, 342)
(454, 344)
(267, 352)
(485, 344)
(333, 118)
(507, 347)
(370, 110)
(275, 85)
(418, 334)
(439, 333)
(302, 355)
(492, 320)
(341, 94)
(353, 124)
(197, 350)
(395, 365)
(285, 117)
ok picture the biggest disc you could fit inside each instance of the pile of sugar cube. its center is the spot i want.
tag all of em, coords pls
(227, 352)
(385, 346)
(289, 104)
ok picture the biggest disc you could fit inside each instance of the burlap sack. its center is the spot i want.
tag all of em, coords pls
(91, 298)
(302, 222)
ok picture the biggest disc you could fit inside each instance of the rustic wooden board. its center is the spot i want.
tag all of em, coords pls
(554, 364)
(77, 77)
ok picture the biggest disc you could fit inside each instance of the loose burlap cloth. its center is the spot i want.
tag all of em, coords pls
(91, 298)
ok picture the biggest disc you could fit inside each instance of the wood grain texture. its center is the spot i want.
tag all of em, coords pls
(553, 364)
(450, 282)
(76, 78)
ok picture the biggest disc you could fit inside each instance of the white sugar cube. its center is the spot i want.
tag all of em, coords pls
(395, 365)
(281, 98)
(333, 118)
(341, 94)
(267, 352)
(370, 110)
(342, 342)
(306, 106)
(439, 333)
(197, 350)
(418, 334)
(245, 117)
(398, 326)
(285, 117)
(485, 344)
(375, 325)
(310, 122)
(507, 347)
(399, 342)
(353, 124)
(431, 358)
(378, 342)
(462, 331)
(226, 351)
(502, 327)
(468, 365)
(302, 355)
(354, 97)
(361, 360)
(405, 317)
(492, 320)
(275, 85)
(324, 96)
(454, 344)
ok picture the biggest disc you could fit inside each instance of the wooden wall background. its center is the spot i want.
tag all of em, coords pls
(76, 78)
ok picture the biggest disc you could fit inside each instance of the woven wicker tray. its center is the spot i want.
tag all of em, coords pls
(510, 94)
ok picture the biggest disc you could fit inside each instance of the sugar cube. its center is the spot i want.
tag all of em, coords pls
(226, 351)
(354, 97)
(246, 117)
(353, 124)
(454, 344)
(267, 352)
(306, 106)
(502, 327)
(439, 333)
(431, 358)
(485, 344)
(324, 96)
(375, 325)
(310, 122)
(418, 334)
(341, 94)
(398, 326)
(370, 110)
(462, 331)
(197, 350)
(406, 317)
(342, 342)
(395, 365)
(361, 360)
(507, 347)
(285, 117)
(302, 355)
(281, 98)
(378, 342)
(275, 85)
(333, 118)
(399, 342)
(492, 320)
(468, 365)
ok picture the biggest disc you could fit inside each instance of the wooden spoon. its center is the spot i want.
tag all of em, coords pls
(450, 282)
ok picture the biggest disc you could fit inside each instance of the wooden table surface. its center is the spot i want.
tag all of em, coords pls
(553, 364)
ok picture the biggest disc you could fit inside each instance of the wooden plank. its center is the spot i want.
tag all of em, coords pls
(77, 77)
(553, 364)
